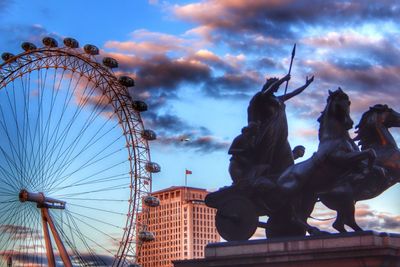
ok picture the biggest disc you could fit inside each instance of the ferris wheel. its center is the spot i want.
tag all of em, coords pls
(75, 168)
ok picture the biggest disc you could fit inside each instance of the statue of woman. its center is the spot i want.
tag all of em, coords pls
(268, 111)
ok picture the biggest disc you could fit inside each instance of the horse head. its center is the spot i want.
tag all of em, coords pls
(374, 125)
(336, 113)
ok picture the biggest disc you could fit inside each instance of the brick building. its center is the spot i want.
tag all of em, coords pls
(182, 225)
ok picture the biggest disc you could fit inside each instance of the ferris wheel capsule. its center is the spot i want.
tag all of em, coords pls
(71, 42)
(149, 135)
(152, 167)
(50, 42)
(27, 46)
(110, 62)
(139, 105)
(7, 56)
(91, 49)
(126, 81)
(146, 236)
(151, 201)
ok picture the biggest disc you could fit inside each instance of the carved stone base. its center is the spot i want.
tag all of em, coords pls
(367, 249)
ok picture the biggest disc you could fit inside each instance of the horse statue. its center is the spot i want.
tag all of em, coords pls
(289, 199)
(337, 156)
(373, 133)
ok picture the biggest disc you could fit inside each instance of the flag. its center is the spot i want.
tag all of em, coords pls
(188, 172)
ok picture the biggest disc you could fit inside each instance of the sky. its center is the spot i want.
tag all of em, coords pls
(198, 63)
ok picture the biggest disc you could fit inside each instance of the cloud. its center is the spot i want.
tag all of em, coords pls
(280, 19)
(20, 232)
(145, 43)
(366, 217)
(358, 55)
(173, 131)
(232, 84)
(15, 34)
(161, 73)
(32, 259)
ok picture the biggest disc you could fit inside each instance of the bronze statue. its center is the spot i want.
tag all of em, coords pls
(338, 174)
(337, 155)
(268, 111)
(266, 182)
(373, 133)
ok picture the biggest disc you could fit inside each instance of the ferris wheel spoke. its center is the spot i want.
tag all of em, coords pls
(33, 157)
(92, 141)
(11, 224)
(96, 229)
(81, 182)
(96, 220)
(98, 209)
(12, 167)
(89, 163)
(67, 152)
(34, 134)
(36, 148)
(11, 160)
(7, 179)
(90, 176)
(44, 142)
(96, 199)
(38, 156)
(75, 231)
(64, 134)
(112, 188)
(6, 210)
(54, 137)
(13, 107)
(25, 250)
(71, 148)
(68, 163)
(26, 133)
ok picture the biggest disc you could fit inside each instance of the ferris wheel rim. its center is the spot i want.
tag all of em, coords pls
(130, 130)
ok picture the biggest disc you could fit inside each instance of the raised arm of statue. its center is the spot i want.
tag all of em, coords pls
(298, 90)
(275, 85)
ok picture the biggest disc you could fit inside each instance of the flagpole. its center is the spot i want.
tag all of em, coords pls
(186, 194)
(185, 178)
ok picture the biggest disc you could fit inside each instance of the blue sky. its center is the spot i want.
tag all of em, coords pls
(197, 64)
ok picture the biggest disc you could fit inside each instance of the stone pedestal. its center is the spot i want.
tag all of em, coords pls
(364, 249)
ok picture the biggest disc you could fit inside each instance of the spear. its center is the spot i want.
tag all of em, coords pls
(290, 67)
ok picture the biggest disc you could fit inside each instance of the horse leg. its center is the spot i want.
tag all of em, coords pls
(350, 217)
(339, 224)
(281, 225)
(302, 209)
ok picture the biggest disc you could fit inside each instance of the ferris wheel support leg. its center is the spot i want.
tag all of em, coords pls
(49, 248)
(61, 248)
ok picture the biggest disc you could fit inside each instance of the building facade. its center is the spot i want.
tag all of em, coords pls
(182, 225)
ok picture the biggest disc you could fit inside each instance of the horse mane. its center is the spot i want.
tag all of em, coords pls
(332, 95)
(365, 122)
(339, 94)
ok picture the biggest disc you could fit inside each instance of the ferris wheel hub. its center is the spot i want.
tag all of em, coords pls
(41, 200)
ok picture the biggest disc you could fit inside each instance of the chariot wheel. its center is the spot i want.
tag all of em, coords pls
(75, 169)
(236, 219)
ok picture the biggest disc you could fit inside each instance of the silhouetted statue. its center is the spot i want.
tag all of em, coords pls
(373, 133)
(268, 111)
(337, 155)
(339, 173)
(242, 150)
